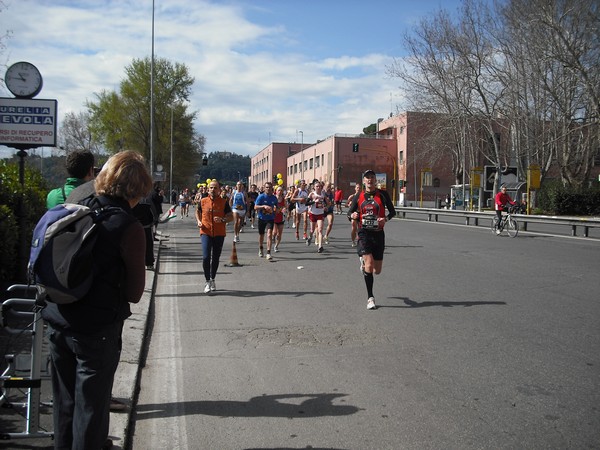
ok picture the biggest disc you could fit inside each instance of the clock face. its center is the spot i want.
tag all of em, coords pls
(23, 79)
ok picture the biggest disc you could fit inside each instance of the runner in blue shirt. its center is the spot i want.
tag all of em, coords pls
(266, 203)
(239, 204)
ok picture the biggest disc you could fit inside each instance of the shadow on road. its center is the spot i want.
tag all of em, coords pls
(408, 303)
(314, 405)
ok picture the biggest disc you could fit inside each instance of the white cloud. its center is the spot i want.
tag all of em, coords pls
(251, 80)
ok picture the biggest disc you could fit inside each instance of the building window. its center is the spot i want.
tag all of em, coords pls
(401, 157)
(310, 165)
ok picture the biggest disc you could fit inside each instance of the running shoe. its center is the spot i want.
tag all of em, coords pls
(309, 240)
(326, 240)
(269, 256)
(353, 244)
(320, 250)
(213, 286)
(304, 236)
(260, 252)
(297, 236)
(276, 248)
(207, 288)
(371, 303)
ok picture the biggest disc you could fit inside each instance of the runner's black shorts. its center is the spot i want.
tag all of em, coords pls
(371, 242)
(265, 225)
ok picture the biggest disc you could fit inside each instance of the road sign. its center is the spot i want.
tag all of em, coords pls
(26, 121)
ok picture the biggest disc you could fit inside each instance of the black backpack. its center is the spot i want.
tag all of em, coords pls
(60, 259)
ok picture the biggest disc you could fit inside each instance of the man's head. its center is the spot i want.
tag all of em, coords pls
(80, 164)
(214, 189)
(268, 187)
(369, 180)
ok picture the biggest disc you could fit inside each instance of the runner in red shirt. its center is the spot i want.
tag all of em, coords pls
(368, 209)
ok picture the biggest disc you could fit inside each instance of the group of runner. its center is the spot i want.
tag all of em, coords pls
(308, 208)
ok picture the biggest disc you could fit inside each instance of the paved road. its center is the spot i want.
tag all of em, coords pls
(479, 342)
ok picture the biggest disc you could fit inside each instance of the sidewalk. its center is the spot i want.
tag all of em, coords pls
(126, 382)
(125, 385)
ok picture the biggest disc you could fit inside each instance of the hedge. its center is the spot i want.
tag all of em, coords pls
(33, 194)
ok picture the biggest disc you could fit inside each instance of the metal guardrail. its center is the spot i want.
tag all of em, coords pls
(475, 216)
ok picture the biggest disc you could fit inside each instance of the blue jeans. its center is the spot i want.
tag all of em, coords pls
(83, 369)
(211, 253)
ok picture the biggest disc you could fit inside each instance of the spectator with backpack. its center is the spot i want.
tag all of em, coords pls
(85, 336)
(80, 167)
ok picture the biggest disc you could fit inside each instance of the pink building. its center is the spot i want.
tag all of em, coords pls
(414, 154)
(400, 153)
(422, 175)
(271, 160)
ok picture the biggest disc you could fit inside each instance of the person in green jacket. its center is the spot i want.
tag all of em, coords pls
(80, 167)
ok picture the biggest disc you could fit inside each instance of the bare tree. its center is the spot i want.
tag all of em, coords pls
(6, 34)
(525, 69)
(453, 70)
(552, 50)
(76, 133)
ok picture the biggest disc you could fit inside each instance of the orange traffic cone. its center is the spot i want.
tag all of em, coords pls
(233, 261)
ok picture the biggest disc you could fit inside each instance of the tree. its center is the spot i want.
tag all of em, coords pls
(527, 68)
(225, 167)
(121, 120)
(76, 133)
(450, 71)
(370, 130)
(555, 73)
(5, 36)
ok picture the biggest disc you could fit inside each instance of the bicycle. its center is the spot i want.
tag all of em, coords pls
(508, 223)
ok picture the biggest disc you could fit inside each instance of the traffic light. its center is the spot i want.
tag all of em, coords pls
(400, 184)
(205, 161)
(355, 148)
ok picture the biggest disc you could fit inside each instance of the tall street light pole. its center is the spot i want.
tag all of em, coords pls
(415, 170)
(152, 99)
(171, 169)
(301, 155)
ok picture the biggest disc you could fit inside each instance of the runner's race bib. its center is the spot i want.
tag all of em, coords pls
(370, 223)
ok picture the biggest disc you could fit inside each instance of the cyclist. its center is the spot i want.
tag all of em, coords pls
(500, 202)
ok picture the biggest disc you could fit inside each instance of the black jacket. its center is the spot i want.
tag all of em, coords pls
(105, 303)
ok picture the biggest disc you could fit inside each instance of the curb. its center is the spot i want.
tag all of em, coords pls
(128, 374)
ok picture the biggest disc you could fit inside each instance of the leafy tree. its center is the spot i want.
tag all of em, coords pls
(224, 166)
(370, 130)
(121, 120)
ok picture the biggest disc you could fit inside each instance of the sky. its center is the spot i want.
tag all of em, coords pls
(264, 70)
